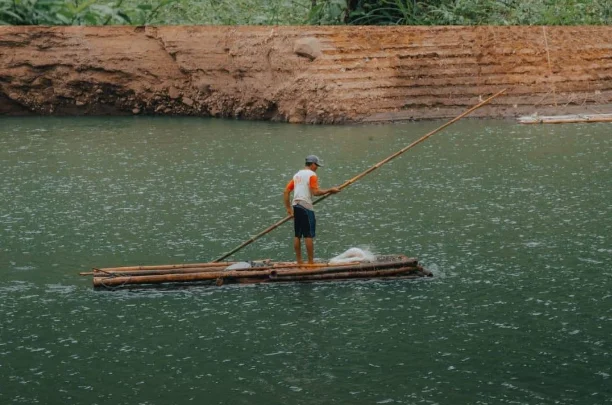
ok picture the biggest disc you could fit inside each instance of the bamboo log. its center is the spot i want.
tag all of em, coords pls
(157, 272)
(419, 273)
(575, 121)
(110, 281)
(565, 119)
(350, 275)
(197, 266)
(361, 268)
(164, 266)
(158, 279)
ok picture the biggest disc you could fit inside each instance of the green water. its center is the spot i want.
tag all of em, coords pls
(514, 221)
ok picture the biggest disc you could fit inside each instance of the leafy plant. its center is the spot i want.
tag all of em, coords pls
(75, 12)
(327, 12)
(471, 12)
(235, 12)
(145, 13)
(480, 12)
(386, 12)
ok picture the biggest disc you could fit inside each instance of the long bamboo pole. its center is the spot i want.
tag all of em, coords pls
(161, 267)
(359, 176)
(207, 269)
(551, 120)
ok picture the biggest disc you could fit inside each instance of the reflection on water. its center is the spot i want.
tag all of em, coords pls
(515, 221)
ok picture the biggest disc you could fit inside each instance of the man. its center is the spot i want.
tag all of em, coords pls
(305, 185)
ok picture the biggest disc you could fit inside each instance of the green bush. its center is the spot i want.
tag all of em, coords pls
(481, 12)
(234, 12)
(293, 12)
(75, 12)
(328, 12)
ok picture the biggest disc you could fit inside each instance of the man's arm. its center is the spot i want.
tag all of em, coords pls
(316, 191)
(324, 191)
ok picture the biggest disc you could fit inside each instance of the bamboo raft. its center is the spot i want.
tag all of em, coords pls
(260, 271)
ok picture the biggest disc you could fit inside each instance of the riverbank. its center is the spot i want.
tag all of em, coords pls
(304, 74)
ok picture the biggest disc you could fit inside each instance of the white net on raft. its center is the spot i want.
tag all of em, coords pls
(354, 255)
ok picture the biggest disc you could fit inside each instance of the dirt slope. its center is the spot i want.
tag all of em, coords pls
(304, 74)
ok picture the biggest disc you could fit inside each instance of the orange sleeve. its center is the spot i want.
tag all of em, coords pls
(314, 183)
(290, 186)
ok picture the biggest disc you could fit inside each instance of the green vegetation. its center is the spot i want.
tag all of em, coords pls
(233, 12)
(480, 12)
(294, 12)
(75, 12)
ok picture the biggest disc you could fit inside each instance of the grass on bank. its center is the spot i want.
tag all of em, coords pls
(295, 12)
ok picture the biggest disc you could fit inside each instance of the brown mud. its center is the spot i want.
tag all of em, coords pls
(305, 74)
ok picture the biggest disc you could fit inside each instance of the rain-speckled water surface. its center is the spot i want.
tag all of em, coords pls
(514, 221)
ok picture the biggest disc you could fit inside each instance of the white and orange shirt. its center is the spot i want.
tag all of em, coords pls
(302, 185)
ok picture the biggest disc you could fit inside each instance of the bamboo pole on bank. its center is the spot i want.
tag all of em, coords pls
(565, 119)
(359, 176)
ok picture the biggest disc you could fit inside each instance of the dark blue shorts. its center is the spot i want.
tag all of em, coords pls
(304, 222)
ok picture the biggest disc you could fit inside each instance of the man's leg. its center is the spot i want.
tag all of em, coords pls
(298, 249)
(310, 250)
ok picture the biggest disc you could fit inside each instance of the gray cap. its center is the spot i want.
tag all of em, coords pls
(314, 159)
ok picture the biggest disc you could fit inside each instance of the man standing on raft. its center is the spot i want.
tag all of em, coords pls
(305, 185)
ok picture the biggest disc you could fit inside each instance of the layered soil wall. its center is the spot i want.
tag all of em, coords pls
(305, 74)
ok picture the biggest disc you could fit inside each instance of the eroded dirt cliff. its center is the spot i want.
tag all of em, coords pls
(305, 74)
